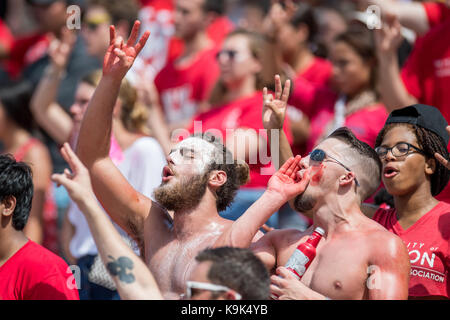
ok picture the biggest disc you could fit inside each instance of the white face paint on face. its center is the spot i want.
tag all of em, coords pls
(194, 151)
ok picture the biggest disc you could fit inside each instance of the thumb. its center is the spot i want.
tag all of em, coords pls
(285, 273)
(61, 179)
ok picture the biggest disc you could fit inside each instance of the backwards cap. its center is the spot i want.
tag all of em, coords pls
(424, 116)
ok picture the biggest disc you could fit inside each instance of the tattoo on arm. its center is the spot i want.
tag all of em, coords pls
(119, 268)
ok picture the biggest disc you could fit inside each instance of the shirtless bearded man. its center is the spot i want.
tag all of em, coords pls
(199, 181)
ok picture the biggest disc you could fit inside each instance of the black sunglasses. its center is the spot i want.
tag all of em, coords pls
(318, 155)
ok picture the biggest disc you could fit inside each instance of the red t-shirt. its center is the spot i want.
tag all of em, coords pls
(436, 12)
(358, 122)
(181, 89)
(426, 73)
(308, 84)
(35, 273)
(216, 31)
(427, 242)
(244, 113)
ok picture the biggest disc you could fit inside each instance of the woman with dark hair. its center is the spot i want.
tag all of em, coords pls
(407, 146)
(354, 102)
(16, 126)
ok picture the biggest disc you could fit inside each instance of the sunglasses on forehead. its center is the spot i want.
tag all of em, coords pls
(319, 156)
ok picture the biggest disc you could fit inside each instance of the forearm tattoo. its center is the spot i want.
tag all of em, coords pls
(119, 268)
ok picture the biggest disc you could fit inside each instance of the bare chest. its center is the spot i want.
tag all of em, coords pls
(173, 262)
(339, 270)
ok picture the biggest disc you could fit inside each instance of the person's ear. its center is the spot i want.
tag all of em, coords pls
(302, 33)
(231, 295)
(347, 179)
(430, 166)
(217, 179)
(8, 205)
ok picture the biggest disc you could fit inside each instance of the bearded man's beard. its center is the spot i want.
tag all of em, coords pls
(183, 195)
(304, 202)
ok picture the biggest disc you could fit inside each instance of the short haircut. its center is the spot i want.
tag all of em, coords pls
(368, 172)
(237, 172)
(16, 181)
(238, 269)
(430, 143)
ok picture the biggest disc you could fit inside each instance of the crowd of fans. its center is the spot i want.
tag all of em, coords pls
(164, 148)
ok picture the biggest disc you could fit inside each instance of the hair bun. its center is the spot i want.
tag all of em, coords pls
(242, 172)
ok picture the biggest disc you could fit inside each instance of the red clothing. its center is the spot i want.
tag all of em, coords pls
(436, 13)
(157, 17)
(216, 31)
(426, 73)
(181, 89)
(25, 51)
(358, 122)
(34, 273)
(307, 83)
(427, 242)
(244, 113)
(6, 38)
(49, 214)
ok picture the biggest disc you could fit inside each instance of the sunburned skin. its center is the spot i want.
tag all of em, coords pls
(316, 174)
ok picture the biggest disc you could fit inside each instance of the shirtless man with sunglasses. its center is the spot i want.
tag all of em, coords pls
(357, 258)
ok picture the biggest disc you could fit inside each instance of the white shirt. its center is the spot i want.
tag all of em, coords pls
(142, 166)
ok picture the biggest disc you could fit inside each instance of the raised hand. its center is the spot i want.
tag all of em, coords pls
(77, 182)
(274, 108)
(440, 158)
(120, 56)
(287, 182)
(60, 49)
(389, 37)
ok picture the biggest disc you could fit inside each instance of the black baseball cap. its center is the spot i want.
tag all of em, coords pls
(424, 116)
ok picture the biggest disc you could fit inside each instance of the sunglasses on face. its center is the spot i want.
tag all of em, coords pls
(399, 150)
(318, 156)
(93, 22)
(193, 288)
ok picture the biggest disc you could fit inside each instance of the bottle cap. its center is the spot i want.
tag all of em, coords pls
(320, 231)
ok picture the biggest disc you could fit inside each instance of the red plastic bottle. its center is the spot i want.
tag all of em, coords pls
(302, 257)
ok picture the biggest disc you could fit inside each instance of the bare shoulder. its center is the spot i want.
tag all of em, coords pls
(386, 243)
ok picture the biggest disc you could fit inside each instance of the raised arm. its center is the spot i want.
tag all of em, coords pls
(412, 15)
(274, 113)
(283, 185)
(390, 85)
(133, 279)
(46, 110)
(125, 205)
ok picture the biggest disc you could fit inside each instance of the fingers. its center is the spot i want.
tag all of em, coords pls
(293, 168)
(61, 180)
(286, 165)
(134, 33)
(266, 228)
(278, 88)
(142, 42)
(285, 273)
(112, 34)
(442, 160)
(71, 158)
(448, 129)
(286, 91)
